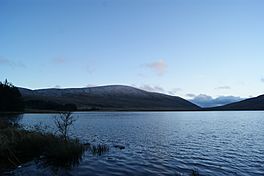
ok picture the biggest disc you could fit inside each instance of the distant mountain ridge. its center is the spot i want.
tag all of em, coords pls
(119, 97)
(256, 103)
(113, 97)
(206, 101)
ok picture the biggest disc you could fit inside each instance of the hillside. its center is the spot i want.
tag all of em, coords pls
(114, 97)
(256, 103)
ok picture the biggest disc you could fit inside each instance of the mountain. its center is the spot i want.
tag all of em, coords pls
(115, 97)
(256, 103)
(206, 101)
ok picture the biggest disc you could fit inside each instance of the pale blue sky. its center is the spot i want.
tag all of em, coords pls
(213, 47)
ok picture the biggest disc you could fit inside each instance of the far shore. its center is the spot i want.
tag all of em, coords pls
(118, 110)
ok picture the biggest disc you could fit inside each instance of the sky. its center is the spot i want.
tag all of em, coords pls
(188, 48)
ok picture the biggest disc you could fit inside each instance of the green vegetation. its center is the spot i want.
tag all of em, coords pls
(10, 98)
(18, 145)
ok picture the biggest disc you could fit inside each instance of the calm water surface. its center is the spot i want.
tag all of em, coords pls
(167, 143)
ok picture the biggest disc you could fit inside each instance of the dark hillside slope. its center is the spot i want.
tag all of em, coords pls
(256, 103)
(114, 97)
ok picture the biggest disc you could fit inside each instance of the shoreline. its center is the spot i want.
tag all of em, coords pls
(112, 110)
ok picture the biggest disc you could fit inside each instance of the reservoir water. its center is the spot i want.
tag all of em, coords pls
(165, 143)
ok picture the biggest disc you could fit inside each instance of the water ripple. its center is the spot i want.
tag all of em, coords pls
(169, 143)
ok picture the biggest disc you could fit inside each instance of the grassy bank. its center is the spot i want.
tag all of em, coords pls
(18, 146)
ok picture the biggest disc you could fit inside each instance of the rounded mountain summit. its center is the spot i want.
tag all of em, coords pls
(112, 97)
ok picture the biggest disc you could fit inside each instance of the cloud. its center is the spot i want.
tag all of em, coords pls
(4, 61)
(10, 63)
(174, 91)
(223, 87)
(152, 88)
(159, 67)
(207, 101)
(158, 89)
(57, 86)
(262, 80)
(190, 95)
(59, 60)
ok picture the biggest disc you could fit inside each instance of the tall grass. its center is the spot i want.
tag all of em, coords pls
(98, 149)
(18, 145)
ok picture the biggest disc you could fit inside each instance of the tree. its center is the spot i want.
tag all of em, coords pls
(64, 122)
(10, 98)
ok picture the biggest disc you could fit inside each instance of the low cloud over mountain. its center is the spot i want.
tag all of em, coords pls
(208, 101)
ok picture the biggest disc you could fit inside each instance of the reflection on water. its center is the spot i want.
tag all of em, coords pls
(59, 165)
(98, 150)
(66, 160)
(67, 156)
(166, 143)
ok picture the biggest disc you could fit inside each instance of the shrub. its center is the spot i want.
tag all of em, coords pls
(18, 146)
(64, 122)
(10, 98)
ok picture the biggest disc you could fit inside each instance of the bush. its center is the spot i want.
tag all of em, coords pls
(18, 146)
(63, 123)
(10, 98)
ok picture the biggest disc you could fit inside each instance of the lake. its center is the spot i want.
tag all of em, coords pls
(165, 143)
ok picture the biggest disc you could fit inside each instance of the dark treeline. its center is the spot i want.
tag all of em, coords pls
(11, 101)
(10, 98)
(48, 105)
